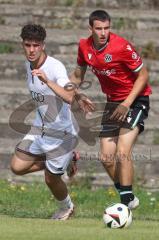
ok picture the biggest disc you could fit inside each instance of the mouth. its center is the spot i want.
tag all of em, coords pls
(103, 39)
(31, 57)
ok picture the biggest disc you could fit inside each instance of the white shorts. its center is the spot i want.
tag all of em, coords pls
(57, 152)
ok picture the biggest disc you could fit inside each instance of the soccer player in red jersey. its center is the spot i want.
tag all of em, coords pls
(124, 80)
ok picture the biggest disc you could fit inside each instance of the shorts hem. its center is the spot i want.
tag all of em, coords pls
(28, 153)
(55, 173)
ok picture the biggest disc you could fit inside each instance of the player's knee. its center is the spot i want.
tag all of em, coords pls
(50, 178)
(107, 160)
(122, 156)
(16, 170)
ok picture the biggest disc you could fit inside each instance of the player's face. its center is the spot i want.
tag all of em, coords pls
(100, 32)
(33, 50)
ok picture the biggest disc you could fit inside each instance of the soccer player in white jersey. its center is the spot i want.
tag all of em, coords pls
(49, 144)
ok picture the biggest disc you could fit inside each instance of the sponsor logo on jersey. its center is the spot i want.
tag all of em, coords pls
(128, 47)
(38, 97)
(89, 56)
(134, 55)
(108, 58)
(103, 72)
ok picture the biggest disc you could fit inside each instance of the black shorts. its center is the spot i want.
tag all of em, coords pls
(137, 114)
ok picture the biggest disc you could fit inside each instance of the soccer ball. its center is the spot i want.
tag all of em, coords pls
(117, 216)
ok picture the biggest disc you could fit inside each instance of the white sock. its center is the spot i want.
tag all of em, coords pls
(66, 203)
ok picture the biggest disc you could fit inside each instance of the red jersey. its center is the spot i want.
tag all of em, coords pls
(115, 66)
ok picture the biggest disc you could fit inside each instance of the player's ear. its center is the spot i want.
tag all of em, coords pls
(43, 47)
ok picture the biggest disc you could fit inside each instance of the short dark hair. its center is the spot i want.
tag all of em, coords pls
(100, 15)
(33, 32)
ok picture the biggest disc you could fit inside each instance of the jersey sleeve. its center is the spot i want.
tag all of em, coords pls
(131, 58)
(80, 57)
(60, 75)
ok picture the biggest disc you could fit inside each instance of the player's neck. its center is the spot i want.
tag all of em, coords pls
(39, 62)
(100, 47)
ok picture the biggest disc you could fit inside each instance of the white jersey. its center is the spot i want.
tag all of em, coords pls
(51, 111)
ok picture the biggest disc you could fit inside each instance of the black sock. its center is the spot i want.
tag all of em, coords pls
(126, 194)
(117, 186)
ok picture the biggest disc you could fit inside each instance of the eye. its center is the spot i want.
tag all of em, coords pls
(36, 45)
(27, 45)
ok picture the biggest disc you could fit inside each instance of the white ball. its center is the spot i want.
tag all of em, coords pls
(117, 216)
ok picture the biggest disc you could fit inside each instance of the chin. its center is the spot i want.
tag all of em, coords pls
(31, 60)
(102, 45)
(103, 42)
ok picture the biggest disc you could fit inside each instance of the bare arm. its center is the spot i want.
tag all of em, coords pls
(139, 85)
(77, 78)
(78, 75)
(66, 95)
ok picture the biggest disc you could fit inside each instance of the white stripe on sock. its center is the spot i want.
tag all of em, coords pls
(125, 192)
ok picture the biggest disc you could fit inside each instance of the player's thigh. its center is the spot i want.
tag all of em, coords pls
(22, 161)
(127, 139)
(108, 149)
(108, 145)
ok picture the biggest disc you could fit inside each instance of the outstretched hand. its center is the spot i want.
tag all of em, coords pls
(120, 113)
(85, 104)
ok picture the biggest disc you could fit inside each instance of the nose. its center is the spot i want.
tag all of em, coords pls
(31, 48)
(103, 32)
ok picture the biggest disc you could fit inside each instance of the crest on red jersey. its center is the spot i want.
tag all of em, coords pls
(134, 55)
(108, 58)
